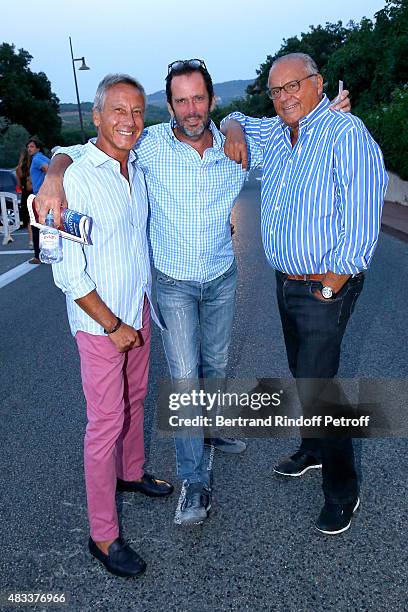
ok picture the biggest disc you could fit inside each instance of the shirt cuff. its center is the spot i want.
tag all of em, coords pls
(84, 286)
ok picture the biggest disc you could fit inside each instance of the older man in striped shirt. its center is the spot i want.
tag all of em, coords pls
(322, 193)
(108, 287)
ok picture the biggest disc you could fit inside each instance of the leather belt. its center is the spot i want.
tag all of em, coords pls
(305, 277)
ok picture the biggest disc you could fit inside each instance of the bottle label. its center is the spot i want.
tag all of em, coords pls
(49, 241)
(71, 221)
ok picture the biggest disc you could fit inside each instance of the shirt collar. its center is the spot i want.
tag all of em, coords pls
(313, 116)
(99, 157)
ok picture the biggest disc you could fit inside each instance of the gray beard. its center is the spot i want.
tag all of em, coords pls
(192, 134)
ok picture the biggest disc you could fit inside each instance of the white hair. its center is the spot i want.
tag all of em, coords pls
(308, 61)
(115, 79)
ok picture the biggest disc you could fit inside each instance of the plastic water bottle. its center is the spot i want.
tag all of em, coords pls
(50, 242)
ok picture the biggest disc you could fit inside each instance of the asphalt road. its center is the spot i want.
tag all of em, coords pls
(258, 551)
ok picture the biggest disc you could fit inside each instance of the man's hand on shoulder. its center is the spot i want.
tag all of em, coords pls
(235, 146)
(342, 103)
(126, 338)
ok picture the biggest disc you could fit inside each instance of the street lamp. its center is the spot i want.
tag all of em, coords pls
(83, 66)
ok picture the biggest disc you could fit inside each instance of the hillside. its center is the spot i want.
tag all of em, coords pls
(156, 109)
(225, 92)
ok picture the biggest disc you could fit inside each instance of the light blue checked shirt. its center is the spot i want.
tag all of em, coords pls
(321, 200)
(190, 199)
(117, 263)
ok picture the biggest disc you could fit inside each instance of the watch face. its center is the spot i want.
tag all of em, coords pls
(327, 292)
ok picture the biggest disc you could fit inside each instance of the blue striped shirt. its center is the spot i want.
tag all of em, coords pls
(191, 198)
(321, 200)
(117, 263)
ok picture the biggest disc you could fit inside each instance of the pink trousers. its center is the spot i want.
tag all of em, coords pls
(115, 386)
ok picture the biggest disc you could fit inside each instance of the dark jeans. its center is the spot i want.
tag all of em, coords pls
(25, 217)
(313, 332)
(36, 241)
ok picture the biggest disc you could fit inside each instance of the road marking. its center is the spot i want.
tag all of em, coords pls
(15, 252)
(15, 273)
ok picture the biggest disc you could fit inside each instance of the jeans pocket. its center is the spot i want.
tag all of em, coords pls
(339, 296)
(163, 279)
(348, 305)
(231, 270)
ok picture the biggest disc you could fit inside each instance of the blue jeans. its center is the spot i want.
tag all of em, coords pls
(198, 319)
(313, 332)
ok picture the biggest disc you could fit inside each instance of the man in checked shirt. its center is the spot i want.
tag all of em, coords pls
(192, 186)
(323, 188)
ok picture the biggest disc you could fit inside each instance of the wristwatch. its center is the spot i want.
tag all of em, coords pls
(327, 292)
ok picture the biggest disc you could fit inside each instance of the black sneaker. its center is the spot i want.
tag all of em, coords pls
(297, 465)
(336, 518)
(196, 504)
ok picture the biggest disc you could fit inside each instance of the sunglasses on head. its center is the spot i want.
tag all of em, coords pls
(182, 64)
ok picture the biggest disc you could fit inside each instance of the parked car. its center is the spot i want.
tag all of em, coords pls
(8, 181)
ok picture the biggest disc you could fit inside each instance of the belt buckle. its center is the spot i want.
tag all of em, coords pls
(305, 277)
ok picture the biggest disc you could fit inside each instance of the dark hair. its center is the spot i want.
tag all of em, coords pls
(189, 70)
(37, 143)
(24, 163)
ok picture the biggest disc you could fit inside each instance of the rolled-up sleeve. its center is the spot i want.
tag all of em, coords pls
(257, 129)
(360, 183)
(70, 274)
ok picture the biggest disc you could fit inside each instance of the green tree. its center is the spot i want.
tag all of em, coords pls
(374, 59)
(11, 143)
(26, 97)
(72, 135)
(371, 57)
(320, 43)
(388, 124)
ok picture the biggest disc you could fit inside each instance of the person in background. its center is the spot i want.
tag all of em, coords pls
(24, 183)
(38, 170)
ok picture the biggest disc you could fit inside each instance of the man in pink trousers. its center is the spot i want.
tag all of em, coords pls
(108, 286)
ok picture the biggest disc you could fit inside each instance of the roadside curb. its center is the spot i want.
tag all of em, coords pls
(394, 220)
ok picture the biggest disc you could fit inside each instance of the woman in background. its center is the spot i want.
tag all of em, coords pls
(24, 182)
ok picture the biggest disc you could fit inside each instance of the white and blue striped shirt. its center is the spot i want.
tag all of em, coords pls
(117, 263)
(191, 198)
(321, 200)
